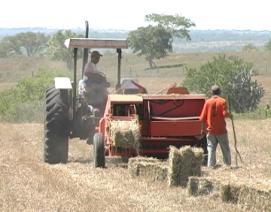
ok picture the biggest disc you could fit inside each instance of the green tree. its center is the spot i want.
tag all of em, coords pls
(57, 50)
(233, 75)
(27, 44)
(177, 25)
(155, 41)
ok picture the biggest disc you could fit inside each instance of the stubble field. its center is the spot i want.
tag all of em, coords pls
(28, 184)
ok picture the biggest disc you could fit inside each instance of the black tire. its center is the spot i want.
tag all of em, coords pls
(56, 126)
(98, 150)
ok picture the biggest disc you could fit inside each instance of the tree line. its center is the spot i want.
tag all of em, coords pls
(31, 44)
(154, 41)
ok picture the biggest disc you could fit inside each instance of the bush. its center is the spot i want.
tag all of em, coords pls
(249, 47)
(233, 75)
(268, 45)
(25, 102)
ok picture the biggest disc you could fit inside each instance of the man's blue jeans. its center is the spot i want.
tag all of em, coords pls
(223, 141)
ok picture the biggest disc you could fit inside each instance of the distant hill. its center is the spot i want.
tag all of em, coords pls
(221, 40)
(201, 40)
(93, 33)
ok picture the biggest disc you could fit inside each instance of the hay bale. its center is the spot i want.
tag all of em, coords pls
(253, 198)
(133, 166)
(199, 186)
(148, 167)
(125, 134)
(174, 166)
(229, 193)
(197, 162)
(247, 196)
(184, 162)
(116, 161)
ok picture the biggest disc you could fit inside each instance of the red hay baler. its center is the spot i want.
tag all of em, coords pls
(164, 120)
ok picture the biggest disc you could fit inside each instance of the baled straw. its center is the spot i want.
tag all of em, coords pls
(184, 162)
(147, 167)
(125, 134)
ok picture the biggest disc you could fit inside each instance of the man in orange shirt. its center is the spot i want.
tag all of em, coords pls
(213, 115)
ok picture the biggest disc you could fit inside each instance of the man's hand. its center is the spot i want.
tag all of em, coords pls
(230, 116)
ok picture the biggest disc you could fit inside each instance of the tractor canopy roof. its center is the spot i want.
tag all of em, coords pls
(96, 43)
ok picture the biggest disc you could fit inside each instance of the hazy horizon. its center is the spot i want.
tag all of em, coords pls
(125, 15)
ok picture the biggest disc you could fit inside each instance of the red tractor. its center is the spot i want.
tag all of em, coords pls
(158, 121)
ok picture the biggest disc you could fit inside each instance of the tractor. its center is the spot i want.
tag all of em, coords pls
(160, 120)
(70, 115)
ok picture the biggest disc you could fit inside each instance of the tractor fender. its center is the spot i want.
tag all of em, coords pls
(63, 83)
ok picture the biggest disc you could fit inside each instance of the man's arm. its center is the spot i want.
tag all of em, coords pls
(203, 115)
(226, 113)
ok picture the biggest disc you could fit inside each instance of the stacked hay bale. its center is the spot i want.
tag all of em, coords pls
(184, 162)
(125, 134)
(151, 168)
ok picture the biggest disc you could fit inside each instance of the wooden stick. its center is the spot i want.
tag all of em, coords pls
(237, 153)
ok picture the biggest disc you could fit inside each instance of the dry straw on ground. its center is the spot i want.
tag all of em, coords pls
(184, 162)
(125, 134)
(148, 167)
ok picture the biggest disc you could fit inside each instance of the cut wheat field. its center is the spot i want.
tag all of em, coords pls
(29, 184)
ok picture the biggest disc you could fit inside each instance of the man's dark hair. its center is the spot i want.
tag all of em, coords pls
(216, 90)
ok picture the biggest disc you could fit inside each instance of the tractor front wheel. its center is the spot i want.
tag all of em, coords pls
(98, 150)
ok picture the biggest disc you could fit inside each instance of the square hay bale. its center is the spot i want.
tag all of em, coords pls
(250, 195)
(197, 161)
(255, 198)
(116, 161)
(200, 186)
(229, 193)
(148, 167)
(174, 166)
(247, 196)
(125, 134)
(184, 162)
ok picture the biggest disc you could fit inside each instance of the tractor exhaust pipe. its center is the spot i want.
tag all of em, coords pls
(85, 53)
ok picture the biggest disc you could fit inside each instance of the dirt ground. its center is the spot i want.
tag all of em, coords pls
(28, 184)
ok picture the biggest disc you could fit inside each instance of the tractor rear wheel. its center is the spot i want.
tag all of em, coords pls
(98, 150)
(56, 126)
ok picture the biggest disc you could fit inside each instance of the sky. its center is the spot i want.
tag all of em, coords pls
(129, 15)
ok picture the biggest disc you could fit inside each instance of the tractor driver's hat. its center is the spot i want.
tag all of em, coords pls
(96, 53)
(215, 90)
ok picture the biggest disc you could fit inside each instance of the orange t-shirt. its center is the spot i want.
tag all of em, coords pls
(213, 114)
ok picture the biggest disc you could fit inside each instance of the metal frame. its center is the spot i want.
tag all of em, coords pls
(87, 43)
